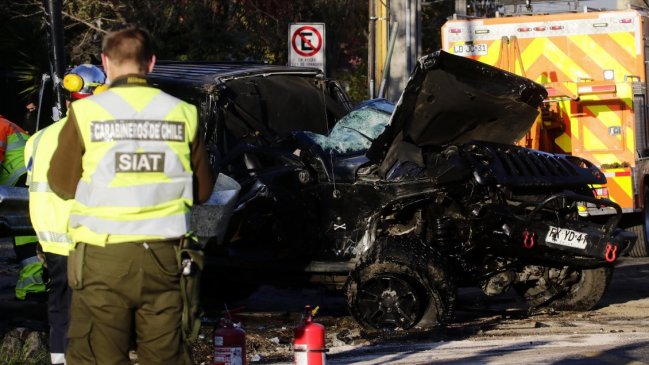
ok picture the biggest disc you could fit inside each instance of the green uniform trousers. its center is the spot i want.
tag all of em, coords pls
(127, 287)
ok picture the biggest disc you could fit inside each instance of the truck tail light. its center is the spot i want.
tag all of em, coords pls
(601, 193)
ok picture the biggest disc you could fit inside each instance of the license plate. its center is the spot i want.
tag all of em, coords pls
(566, 237)
(470, 49)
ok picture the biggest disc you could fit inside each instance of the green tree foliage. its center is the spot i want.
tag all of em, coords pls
(23, 43)
(266, 24)
(434, 15)
(217, 30)
(228, 30)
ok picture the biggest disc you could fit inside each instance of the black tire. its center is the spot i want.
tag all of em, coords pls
(586, 289)
(639, 224)
(400, 285)
(640, 248)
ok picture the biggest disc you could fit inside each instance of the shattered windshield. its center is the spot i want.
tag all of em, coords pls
(355, 131)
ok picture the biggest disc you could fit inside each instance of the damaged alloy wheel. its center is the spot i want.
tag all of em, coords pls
(393, 289)
(391, 298)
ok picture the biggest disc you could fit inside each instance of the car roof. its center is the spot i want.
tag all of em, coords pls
(199, 73)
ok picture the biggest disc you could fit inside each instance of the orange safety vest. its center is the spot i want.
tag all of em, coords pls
(12, 146)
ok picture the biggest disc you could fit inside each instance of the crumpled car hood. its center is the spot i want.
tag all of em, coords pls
(452, 99)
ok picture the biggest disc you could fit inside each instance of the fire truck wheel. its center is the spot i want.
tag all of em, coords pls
(586, 293)
(580, 290)
(395, 288)
(639, 249)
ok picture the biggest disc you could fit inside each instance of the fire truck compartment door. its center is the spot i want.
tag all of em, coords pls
(600, 126)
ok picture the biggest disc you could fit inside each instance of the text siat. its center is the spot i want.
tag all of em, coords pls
(139, 162)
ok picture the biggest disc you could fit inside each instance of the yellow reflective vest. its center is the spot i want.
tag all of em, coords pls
(49, 213)
(136, 183)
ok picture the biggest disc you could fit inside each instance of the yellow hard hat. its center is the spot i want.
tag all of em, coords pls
(72, 82)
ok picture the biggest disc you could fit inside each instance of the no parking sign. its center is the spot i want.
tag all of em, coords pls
(306, 45)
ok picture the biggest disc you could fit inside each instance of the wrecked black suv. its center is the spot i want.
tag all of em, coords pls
(400, 205)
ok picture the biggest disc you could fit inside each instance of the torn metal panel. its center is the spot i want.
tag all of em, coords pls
(452, 99)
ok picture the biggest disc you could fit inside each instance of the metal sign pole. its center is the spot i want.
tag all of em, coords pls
(54, 22)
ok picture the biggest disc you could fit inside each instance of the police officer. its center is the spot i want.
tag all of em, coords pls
(133, 160)
(50, 214)
(13, 173)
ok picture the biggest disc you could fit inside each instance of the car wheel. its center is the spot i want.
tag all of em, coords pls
(393, 288)
(580, 290)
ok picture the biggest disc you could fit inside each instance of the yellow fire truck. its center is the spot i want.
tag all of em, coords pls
(594, 66)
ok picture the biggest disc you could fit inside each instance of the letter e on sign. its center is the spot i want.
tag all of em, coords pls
(306, 45)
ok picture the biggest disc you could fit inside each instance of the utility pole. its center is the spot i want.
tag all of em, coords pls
(371, 46)
(54, 29)
(403, 18)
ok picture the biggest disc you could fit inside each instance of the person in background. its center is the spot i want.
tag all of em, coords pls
(12, 145)
(50, 214)
(31, 113)
(13, 172)
(134, 162)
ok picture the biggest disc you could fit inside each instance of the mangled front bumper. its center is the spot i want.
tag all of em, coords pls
(580, 238)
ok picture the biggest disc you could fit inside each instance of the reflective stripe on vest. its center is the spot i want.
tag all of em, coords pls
(57, 358)
(29, 260)
(137, 177)
(49, 213)
(127, 196)
(53, 237)
(17, 141)
(167, 226)
(27, 281)
(39, 187)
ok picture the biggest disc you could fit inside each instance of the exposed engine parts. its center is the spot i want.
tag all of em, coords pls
(512, 221)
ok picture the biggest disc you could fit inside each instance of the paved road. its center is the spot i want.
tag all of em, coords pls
(619, 348)
(500, 330)
(497, 330)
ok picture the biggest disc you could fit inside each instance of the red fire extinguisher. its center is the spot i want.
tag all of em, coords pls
(309, 341)
(229, 344)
